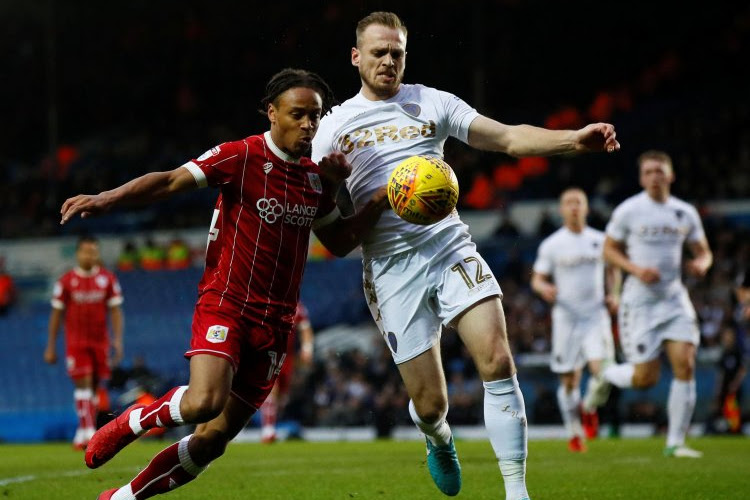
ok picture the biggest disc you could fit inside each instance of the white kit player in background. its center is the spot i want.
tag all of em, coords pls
(420, 278)
(569, 273)
(645, 238)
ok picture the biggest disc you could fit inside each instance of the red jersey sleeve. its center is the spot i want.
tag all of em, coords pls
(60, 294)
(218, 165)
(114, 292)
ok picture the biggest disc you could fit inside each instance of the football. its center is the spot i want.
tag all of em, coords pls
(423, 189)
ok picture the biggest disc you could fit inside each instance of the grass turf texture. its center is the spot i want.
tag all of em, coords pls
(612, 469)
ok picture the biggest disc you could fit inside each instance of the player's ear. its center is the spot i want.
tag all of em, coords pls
(271, 113)
(355, 56)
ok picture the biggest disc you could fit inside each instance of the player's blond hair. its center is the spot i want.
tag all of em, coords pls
(387, 19)
(654, 154)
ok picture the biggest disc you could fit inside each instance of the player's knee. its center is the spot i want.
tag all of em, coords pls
(206, 448)
(431, 409)
(497, 365)
(204, 406)
(643, 379)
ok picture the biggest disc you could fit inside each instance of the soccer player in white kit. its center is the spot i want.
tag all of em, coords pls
(569, 273)
(645, 237)
(419, 278)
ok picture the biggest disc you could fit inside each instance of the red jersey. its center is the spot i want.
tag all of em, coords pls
(86, 297)
(269, 204)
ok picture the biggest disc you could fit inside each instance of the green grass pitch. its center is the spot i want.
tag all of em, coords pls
(612, 469)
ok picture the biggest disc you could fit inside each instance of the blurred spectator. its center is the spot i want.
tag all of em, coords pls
(7, 289)
(151, 256)
(547, 225)
(128, 258)
(732, 366)
(178, 254)
(506, 228)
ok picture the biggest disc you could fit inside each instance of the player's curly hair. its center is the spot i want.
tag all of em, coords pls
(290, 78)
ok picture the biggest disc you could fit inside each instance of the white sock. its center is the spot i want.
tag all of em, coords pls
(680, 406)
(124, 493)
(505, 419)
(620, 375)
(439, 432)
(569, 404)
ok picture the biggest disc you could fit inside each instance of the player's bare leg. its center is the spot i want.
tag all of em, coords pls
(200, 401)
(268, 415)
(84, 396)
(425, 382)
(183, 461)
(569, 402)
(482, 329)
(682, 397)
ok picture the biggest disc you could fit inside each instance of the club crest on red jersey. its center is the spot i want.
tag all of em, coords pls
(267, 167)
(315, 182)
(211, 152)
(217, 334)
(101, 281)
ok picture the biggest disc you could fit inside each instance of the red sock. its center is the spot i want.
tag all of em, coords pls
(168, 470)
(85, 408)
(165, 411)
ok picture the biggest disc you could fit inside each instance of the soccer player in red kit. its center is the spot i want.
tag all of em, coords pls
(82, 297)
(272, 196)
(276, 400)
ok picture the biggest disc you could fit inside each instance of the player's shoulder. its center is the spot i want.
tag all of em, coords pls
(679, 203)
(66, 276)
(594, 233)
(550, 241)
(634, 202)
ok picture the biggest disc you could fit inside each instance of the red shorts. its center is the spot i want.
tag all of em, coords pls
(84, 360)
(257, 352)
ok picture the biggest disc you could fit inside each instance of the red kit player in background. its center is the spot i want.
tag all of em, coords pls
(277, 400)
(83, 296)
(272, 196)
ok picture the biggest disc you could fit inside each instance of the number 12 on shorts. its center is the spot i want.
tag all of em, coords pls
(479, 277)
(276, 364)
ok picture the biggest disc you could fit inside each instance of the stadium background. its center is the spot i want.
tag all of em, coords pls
(94, 95)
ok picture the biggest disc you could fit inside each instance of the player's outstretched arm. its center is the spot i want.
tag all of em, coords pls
(526, 140)
(346, 233)
(145, 189)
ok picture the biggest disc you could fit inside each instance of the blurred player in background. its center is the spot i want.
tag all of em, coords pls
(81, 298)
(418, 278)
(272, 196)
(645, 237)
(569, 274)
(277, 399)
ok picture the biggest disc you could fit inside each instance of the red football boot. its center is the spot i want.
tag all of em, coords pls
(576, 445)
(110, 439)
(106, 495)
(590, 423)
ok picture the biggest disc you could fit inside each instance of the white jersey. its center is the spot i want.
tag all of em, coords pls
(576, 264)
(654, 234)
(376, 136)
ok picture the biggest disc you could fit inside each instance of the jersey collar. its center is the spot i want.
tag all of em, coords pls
(86, 274)
(277, 150)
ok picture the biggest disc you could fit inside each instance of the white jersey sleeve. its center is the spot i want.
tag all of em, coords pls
(544, 263)
(696, 232)
(457, 115)
(617, 227)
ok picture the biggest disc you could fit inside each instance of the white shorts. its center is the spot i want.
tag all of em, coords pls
(413, 293)
(577, 339)
(644, 327)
